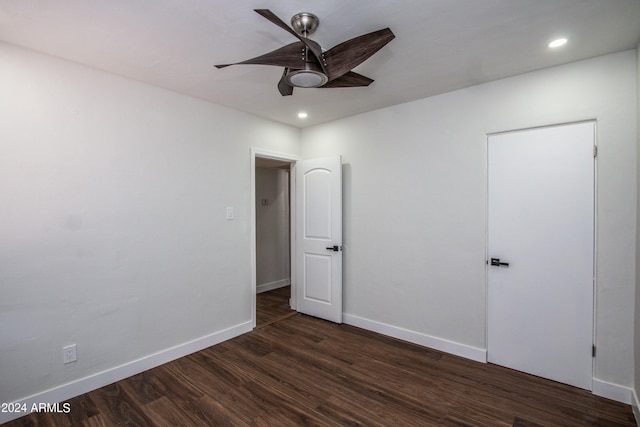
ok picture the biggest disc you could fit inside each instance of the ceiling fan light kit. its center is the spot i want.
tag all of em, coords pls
(306, 77)
(305, 63)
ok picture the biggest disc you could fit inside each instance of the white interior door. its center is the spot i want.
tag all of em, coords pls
(319, 238)
(541, 223)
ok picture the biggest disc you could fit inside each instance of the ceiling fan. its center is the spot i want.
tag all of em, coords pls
(307, 65)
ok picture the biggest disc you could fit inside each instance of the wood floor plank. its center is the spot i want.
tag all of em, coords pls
(298, 370)
(427, 394)
(306, 385)
(303, 330)
(176, 384)
(94, 421)
(118, 407)
(144, 388)
(369, 411)
(272, 306)
(82, 408)
(216, 386)
(212, 412)
(164, 413)
(280, 405)
(284, 385)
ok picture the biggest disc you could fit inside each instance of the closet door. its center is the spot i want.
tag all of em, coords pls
(541, 251)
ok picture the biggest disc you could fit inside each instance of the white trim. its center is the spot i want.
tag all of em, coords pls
(265, 154)
(612, 391)
(109, 376)
(544, 126)
(462, 350)
(635, 406)
(265, 287)
(293, 302)
(274, 155)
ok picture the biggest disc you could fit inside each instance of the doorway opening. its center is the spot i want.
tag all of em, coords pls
(272, 244)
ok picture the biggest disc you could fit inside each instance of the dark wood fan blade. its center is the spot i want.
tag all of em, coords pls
(344, 57)
(349, 79)
(266, 13)
(312, 45)
(285, 88)
(289, 56)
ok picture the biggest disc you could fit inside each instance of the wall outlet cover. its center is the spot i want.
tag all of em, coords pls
(69, 354)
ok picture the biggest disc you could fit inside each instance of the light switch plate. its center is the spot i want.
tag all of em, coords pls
(229, 212)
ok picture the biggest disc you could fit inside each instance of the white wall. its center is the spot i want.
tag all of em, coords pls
(272, 228)
(112, 221)
(414, 202)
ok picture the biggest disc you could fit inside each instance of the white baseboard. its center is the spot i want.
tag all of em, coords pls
(612, 391)
(101, 379)
(600, 388)
(264, 287)
(462, 350)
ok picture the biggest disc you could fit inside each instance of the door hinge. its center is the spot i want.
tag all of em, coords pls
(595, 151)
(593, 351)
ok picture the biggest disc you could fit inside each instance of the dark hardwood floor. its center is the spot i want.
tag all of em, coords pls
(303, 371)
(273, 306)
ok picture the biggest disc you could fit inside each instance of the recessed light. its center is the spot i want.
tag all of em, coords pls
(558, 43)
(302, 115)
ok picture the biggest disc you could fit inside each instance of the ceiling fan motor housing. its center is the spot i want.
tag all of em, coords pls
(304, 23)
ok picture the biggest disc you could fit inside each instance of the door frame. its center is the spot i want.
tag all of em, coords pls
(291, 159)
(595, 226)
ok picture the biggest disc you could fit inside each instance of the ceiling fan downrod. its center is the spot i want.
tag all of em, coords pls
(310, 75)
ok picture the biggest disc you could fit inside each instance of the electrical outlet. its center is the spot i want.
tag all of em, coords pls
(69, 354)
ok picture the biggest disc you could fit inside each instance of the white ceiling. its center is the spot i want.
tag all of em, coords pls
(440, 45)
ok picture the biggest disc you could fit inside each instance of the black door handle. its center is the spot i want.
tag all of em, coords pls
(496, 262)
(335, 248)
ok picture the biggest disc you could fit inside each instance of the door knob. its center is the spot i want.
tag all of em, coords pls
(496, 263)
(335, 248)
